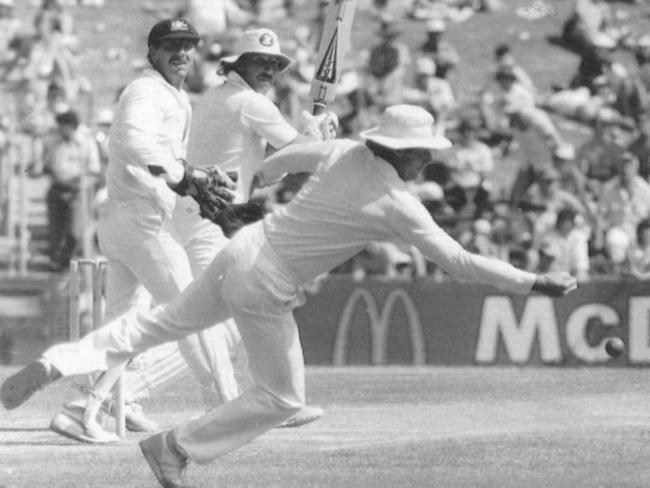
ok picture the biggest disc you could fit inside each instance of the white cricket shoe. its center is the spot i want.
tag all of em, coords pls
(134, 418)
(168, 467)
(306, 415)
(69, 422)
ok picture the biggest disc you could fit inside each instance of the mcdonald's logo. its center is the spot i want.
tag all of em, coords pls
(379, 322)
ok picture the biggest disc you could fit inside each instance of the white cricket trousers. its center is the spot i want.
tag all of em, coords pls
(246, 281)
(143, 249)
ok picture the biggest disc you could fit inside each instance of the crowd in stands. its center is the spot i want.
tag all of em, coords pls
(581, 207)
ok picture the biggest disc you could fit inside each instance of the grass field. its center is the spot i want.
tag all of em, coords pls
(383, 428)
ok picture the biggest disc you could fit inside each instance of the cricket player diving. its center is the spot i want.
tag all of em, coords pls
(357, 194)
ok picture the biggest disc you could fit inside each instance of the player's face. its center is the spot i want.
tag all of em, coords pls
(413, 162)
(259, 71)
(173, 59)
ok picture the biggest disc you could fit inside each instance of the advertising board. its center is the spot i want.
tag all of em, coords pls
(451, 323)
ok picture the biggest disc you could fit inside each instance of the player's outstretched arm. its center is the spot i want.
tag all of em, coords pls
(555, 284)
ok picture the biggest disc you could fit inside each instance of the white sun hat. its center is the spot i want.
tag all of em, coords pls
(406, 127)
(259, 41)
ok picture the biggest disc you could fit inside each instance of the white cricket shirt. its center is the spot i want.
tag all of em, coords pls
(355, 198)
(151, 127)
(231, 126)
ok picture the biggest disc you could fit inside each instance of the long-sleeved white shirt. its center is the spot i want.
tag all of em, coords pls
(355, 198)
(151, 127)
(231, 126)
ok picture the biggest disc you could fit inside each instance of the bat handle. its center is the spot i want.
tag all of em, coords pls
(319, 108)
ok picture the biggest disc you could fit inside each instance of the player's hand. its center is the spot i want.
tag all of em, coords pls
(555, 284)
(329, 125)
(211, 188)
(323, 126)
(210, 178)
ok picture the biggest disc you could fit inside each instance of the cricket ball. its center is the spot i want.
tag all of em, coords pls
(615, 347)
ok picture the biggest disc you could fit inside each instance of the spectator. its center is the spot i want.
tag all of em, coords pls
(471, 165)
(479, 239)
(544, 199)
(512, 232)
(444, 54)
(596, 158)
(641, 51)
(625, 199)
(386, 68)
(47, 56)
(608, 98)
(640, 147)
(565, 246)
(216, 20)
(595, 61)
(432, 93)
(503, 57)
(589, 21)
(639, 253)
(70, 157)
(509, 107)
(572, 180)
(10, 27)
(613, 260)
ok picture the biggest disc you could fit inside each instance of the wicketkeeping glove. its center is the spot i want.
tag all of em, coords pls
(209, 188)
(237, 215)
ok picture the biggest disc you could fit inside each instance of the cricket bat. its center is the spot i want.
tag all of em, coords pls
(333, 47)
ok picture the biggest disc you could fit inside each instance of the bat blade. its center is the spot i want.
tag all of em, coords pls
(333, 47)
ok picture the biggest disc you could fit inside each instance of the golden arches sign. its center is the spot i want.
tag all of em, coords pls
(379, 321)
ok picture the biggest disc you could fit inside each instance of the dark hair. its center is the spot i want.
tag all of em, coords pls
(226, 67)
(68, 118)
(469, 123)
(566, 214)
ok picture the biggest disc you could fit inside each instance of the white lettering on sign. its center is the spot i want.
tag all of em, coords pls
(576, 331)
(379, 323)
(638, 338)
(538, 320)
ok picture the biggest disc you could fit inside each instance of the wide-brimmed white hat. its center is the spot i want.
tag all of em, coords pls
(260, 41)
(406, 127)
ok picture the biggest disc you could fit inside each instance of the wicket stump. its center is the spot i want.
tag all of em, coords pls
(88, 275)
